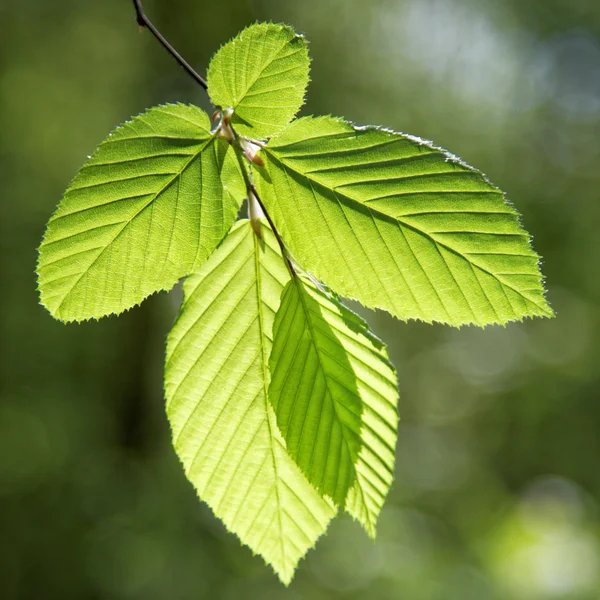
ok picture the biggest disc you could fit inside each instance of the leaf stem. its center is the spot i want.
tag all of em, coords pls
(284, 250)
(144, 21)
(251, 191)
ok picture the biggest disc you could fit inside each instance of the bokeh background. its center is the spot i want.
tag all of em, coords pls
(497, 482)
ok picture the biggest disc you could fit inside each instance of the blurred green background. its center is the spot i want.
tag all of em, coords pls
(497, 482)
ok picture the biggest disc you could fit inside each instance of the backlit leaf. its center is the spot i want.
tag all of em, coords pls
(224, 429)
(262, 74)
(334, 393)
(398, 224)
(147, 208)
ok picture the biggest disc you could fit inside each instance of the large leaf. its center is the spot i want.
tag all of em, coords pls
(262, 74)
(224, 429)
(147, 208)
(398, 224)
(334, 393)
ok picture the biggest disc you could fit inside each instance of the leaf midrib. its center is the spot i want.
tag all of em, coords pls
(267, 65)
(355, 459)
(318, 349)
(265, 385)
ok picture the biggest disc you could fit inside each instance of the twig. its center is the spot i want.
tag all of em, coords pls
(284, 251)
(144, 21)
(251, 189)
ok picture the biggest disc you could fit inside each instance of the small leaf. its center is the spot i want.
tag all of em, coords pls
(262, 74)
(147, 208)
(334, 393)
(224, 429)
(398, 224)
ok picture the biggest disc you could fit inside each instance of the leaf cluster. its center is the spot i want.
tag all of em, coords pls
(281, 401)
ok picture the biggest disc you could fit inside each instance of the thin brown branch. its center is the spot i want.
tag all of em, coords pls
(144, 21)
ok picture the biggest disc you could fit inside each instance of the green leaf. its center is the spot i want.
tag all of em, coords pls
(147, 208)
(398, 224)
(262, 74)
(224, 429)
(334, 393)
